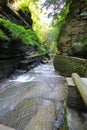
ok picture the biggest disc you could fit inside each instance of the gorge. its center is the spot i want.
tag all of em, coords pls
(51, 35)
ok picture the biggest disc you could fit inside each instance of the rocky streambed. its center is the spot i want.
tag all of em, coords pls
(33, 101)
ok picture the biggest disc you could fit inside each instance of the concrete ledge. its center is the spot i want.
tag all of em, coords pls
(71, 83)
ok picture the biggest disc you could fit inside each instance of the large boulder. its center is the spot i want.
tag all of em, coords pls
(34, 105)
(68, 65)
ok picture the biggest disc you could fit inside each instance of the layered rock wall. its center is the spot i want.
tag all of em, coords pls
(75, 29)
(13, 51)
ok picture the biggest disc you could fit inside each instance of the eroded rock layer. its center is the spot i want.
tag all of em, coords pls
(74, 31)
(14, 50)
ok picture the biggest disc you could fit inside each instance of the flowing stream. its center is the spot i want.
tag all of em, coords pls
(33, 101)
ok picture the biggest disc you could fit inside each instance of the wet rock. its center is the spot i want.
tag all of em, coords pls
(76, 120)
(17, 56)
(2, 127)
(23, 65)
(45, 60)
(74, 99)
(44, 117)
(58, 123)
(29, 62)
(7, 66)
(78, 50)
(19, 72)
(25, 104)
(19, 116)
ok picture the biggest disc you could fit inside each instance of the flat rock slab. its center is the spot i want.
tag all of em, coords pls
(32, 105)
(42, 120)
(2, 127)
(71, 83)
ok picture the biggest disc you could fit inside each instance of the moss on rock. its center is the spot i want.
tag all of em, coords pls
(68, 65)
(3, 36)
(27, 36)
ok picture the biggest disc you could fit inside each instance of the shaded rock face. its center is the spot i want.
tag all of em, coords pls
(13, 51)
(19, 17)
(75, 29)
(11, 55)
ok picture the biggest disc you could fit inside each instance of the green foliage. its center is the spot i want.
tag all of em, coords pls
(84, 10)
(47, 34)
(84, 43)
(24, 6)
(43, 49)
(3, 36)
(16, 32)
(65, 125)
(27, 36)
(38, 20)
(55, 29)
(86, 1)
(60, 21)
(54, 47)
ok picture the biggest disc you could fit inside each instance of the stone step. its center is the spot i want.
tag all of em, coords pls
(74, 98)
(71, 83)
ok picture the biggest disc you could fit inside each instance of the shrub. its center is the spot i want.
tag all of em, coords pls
(27, 36)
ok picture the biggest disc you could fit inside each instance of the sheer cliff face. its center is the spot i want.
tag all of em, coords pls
(75, 29)
(13, 50)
